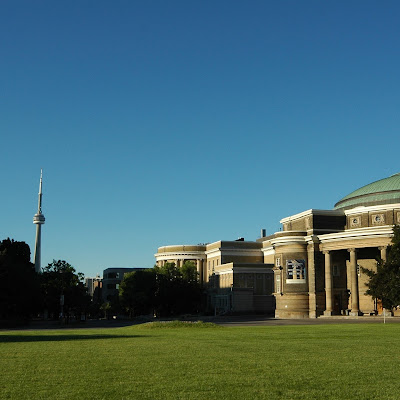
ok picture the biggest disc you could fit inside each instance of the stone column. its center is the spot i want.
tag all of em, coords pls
(328, 284)
(200, 270)
(205, 270)
(312, 298)
(383, 250)
(355, 308)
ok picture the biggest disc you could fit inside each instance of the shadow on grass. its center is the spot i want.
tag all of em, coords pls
(60, 338)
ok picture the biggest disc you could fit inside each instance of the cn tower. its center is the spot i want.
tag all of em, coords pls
(38, 219)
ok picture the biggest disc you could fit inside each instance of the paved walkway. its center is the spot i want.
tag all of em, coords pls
(262, 321)
(235, 320)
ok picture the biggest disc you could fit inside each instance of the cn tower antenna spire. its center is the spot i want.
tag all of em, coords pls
(40, 192)
(38, 219)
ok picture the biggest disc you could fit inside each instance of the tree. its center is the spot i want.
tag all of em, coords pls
(59, 280)
(19, 283)
(137, 292)
(384, 283)
(106, 308)
(169, 271)
(167, 290)
(189, 272)
(178, 289)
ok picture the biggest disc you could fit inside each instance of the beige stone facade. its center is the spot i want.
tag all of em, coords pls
(312, 267)
(234, 273)
(327, 255)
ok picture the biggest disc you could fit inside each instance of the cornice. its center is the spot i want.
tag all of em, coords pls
(269, 249)
(285, 240)
(361, 233)
(364, 209)
(198, 255)
(312, 239)
(311, 211)
(231, 251)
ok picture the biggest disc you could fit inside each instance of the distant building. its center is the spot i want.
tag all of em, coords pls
(94, 286)
(312, 267)
(112, 277)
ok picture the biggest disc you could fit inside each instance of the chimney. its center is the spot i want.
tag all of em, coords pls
(263, 232)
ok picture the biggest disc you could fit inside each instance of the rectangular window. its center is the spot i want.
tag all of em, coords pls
(295, 271)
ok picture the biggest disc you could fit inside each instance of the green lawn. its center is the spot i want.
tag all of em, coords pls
(359, 361)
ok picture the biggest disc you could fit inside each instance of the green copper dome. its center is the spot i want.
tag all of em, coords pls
(384, 191)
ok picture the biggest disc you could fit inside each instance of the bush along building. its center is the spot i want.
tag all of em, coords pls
(312, 267)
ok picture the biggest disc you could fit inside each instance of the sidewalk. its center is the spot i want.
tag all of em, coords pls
(227, 320)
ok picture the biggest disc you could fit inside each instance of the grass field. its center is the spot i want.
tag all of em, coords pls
(359, 361)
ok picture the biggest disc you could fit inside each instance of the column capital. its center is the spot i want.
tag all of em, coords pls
(326, 251)
(383, 250)
(351, 250)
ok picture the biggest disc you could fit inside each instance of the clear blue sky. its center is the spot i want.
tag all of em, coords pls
(180, 122)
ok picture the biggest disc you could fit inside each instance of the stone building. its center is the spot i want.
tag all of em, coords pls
(308, 269)
(234, 272)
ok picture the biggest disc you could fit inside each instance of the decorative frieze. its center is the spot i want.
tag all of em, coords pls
(378, 219)
(355, 222)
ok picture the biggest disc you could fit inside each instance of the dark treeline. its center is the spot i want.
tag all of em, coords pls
(58, 291)
(162, 291)
(20, 294)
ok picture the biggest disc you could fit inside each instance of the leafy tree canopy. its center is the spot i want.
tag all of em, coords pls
(164, 290)
(19, 283)
(59, 278)
(137, 292)
(189, 272)
(178, 289)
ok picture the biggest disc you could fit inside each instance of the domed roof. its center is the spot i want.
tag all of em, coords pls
(384, 191)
